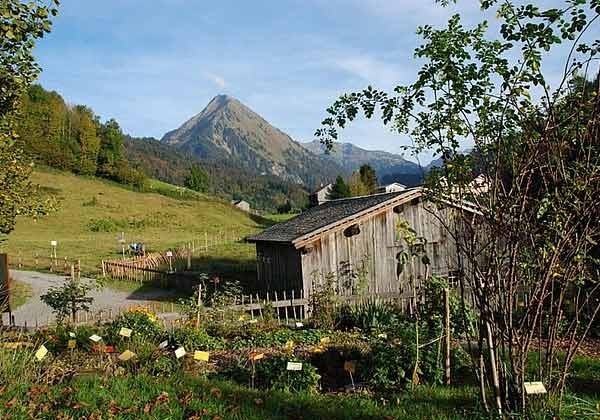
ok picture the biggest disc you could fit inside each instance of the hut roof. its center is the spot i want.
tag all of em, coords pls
(327, 214)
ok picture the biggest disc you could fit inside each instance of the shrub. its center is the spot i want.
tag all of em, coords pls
(391, 365)
(369, 317)
(322, 301)
(193, 338)
(164, 365)
(141, 320)
(271, 373)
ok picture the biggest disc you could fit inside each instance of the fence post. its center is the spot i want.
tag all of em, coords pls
(447, 334)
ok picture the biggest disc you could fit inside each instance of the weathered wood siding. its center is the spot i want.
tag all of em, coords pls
(374, 250)
(278, 267)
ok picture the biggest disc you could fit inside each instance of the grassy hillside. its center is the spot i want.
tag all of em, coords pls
(92, 213)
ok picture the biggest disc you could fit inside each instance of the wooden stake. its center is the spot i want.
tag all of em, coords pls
(447, 334)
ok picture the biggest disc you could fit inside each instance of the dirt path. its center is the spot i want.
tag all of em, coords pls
(35, 310)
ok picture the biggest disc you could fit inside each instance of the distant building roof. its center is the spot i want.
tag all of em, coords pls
(326, 214)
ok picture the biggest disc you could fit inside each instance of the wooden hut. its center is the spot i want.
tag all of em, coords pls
(356, 241)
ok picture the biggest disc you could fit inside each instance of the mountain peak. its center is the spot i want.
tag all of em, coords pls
(227, 130)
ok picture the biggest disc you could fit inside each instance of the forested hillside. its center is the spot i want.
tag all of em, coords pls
(169, 164)
(73, 138)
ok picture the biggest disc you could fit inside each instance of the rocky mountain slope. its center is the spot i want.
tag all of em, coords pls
(228, 131)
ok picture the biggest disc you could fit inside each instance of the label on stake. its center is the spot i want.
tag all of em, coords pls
(71, 344)
(41, 353)
(201, 355)
(532, 388)
(294, 366)
(180, 352)
(125, 332)
(95, 338)
(126, 355)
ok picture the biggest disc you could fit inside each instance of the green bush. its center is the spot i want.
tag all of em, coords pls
(391, 364)
(193, 338)
(271, 373)
(142, 322)
(372, 317)
(165, 365)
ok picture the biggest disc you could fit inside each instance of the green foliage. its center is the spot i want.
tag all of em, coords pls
(371, 317)
(111, 224)
(73, 138)
(339, 189)
(368, 177)
(285, 208)
(462, 320)
(143, 324)
(193, 338)
(20, 25)
(392, 363)
(270, 373)
(69, 298)
(197, 179)
(169, 164)
(322, 300)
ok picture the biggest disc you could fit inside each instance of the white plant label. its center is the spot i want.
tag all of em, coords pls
(72, 334)
(163, 345)
(53, 243)
(169, 254)
(532, 388)
(299, 325)
(95, 338)
(294, 366)
(180, 352)
(125, 332)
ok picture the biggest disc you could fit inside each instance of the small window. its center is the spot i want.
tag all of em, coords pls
(454, 279)
(351, 231)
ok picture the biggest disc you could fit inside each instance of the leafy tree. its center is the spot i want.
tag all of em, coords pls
(88, 141)
(69, 298)
(20, 25)
(536, 148)
(111, 148)
(197, 179)
(357, 186)
(368, 177)
(285, 208)
(339, 189)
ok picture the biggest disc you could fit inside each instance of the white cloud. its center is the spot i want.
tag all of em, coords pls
(217, 80)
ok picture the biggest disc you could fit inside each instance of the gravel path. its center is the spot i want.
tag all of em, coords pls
(35, 310)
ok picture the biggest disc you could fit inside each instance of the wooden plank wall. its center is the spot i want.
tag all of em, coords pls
(376, 248)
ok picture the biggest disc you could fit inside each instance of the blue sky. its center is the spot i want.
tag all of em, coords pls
(153, 64)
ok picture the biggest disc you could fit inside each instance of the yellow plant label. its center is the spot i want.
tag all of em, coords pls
(71, 344)
(289, 345)
(126, 355)
(125, 332)
(41, 353)
(201, 355)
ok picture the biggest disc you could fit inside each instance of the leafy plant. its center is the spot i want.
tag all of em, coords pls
(323, 300)
(141, 320)
(69, 298)
(369, 316)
